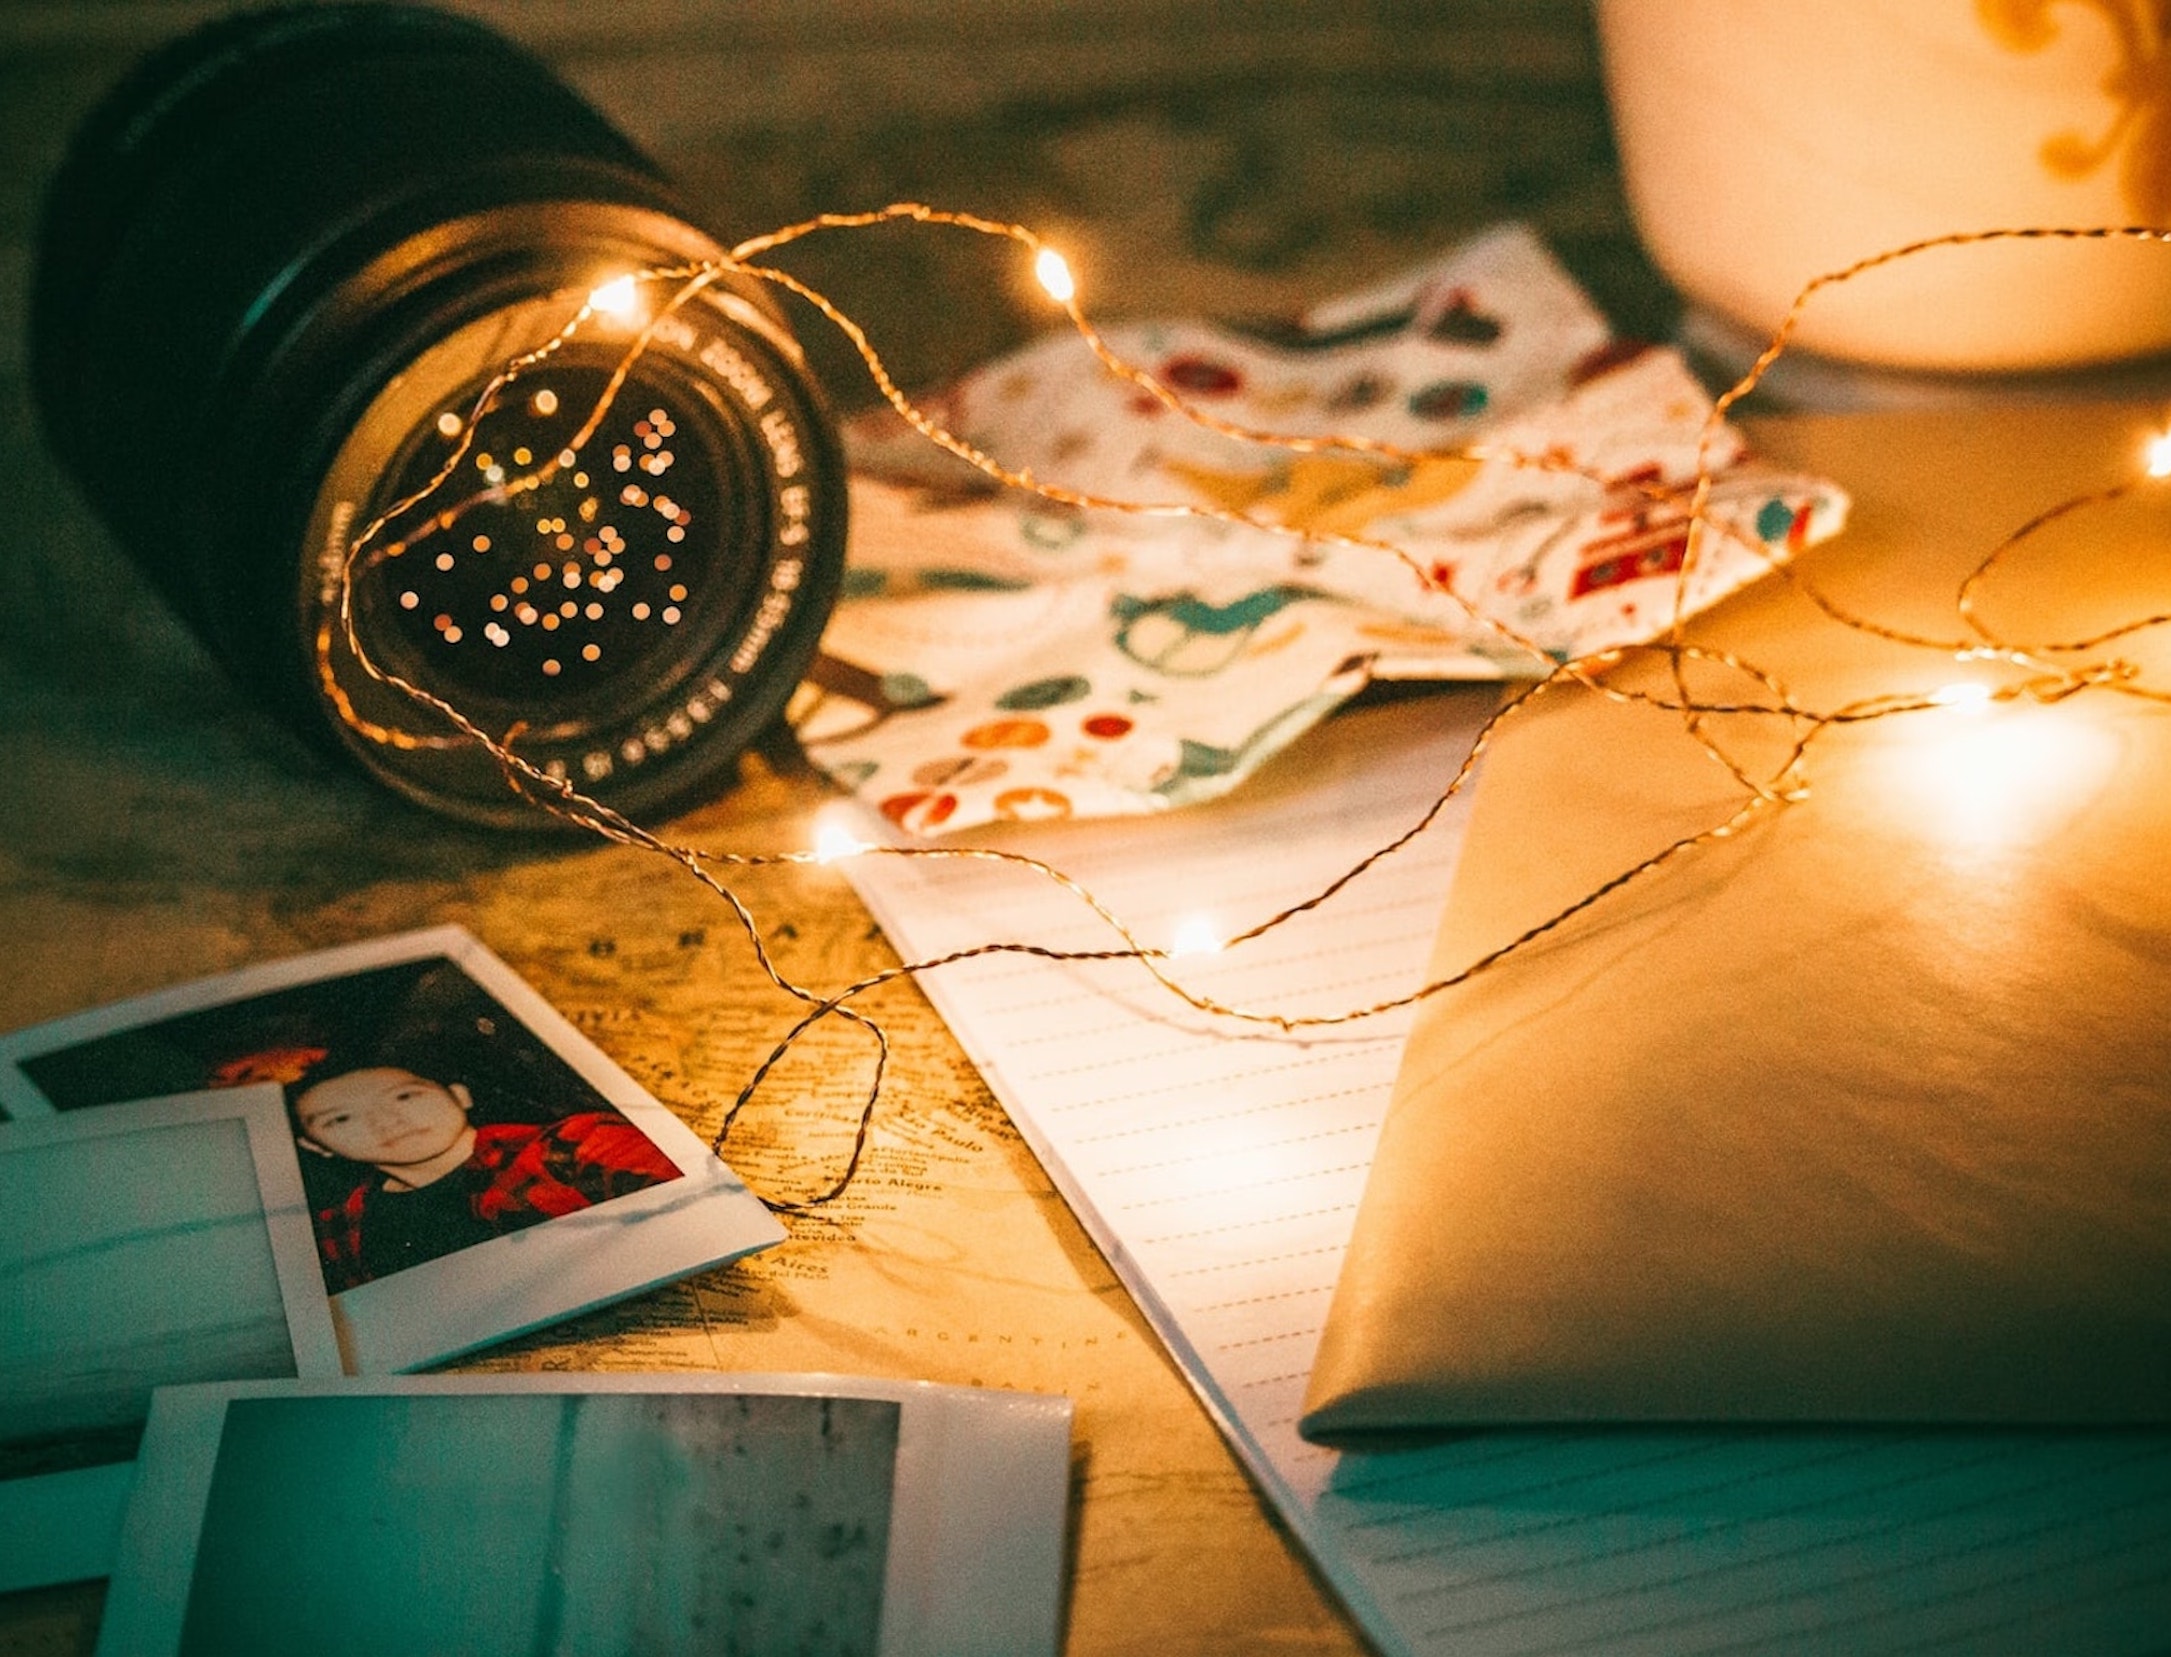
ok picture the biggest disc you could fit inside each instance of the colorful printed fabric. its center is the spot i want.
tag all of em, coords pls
(1000, 658)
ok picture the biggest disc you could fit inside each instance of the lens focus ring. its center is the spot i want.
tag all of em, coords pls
(276, 269)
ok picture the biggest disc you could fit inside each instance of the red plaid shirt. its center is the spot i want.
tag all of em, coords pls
(516, 1175)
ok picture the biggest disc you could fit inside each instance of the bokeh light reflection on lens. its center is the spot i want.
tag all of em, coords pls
(566, 582)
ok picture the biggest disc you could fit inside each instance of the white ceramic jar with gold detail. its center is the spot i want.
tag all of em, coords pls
(1767, 141)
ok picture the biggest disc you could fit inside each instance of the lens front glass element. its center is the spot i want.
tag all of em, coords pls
(624, 598)
(564, 595)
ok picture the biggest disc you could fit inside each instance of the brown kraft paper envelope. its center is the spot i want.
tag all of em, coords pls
(1864, 1115)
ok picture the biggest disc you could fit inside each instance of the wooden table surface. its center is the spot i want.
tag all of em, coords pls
(1195, 159)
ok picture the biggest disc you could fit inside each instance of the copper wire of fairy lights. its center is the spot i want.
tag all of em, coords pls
(1777, 786)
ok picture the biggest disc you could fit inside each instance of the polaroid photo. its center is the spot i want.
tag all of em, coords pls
(474, 1166)
(604, 1514)
(152, 1244)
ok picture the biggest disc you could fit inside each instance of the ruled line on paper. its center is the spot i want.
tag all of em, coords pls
(1309, 1290)
(1638, 1542)
(1249, 1187)
(1204, 1118)
(1100, 1067)
(1251, 1224)
(1335, 1249)
(1270, 1145)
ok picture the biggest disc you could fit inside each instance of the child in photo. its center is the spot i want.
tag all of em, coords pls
(428, 1118)
(427, 1180)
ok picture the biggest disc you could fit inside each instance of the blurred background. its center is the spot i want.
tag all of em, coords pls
(1202, 159)
(1236, 157)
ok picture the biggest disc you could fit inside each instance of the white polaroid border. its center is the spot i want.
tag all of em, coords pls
(978, 1509)
(547, 1272)
(64, 1527)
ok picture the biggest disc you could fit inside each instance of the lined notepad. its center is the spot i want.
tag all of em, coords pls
(1219, 1167)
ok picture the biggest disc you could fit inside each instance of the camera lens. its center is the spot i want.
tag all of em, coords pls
(278, 268)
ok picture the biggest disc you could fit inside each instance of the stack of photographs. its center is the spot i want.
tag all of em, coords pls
(151, 1243)
(231, 1211)
(357, 1162)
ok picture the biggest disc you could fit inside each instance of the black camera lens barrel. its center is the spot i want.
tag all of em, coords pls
(277, 265)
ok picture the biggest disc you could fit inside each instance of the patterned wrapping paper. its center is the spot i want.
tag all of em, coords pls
(998, 658)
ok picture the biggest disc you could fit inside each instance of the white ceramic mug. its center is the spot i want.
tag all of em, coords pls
(1765, 142)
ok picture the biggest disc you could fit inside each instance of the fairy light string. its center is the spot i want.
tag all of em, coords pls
(1986, 643)
(1765, 790)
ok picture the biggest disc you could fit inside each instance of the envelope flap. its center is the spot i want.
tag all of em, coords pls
(1863, 1114)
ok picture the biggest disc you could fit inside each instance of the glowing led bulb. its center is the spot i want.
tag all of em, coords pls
(1055, 276)
(1195, 935)
(618, 299)
(2158, 455)
(833, 841)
